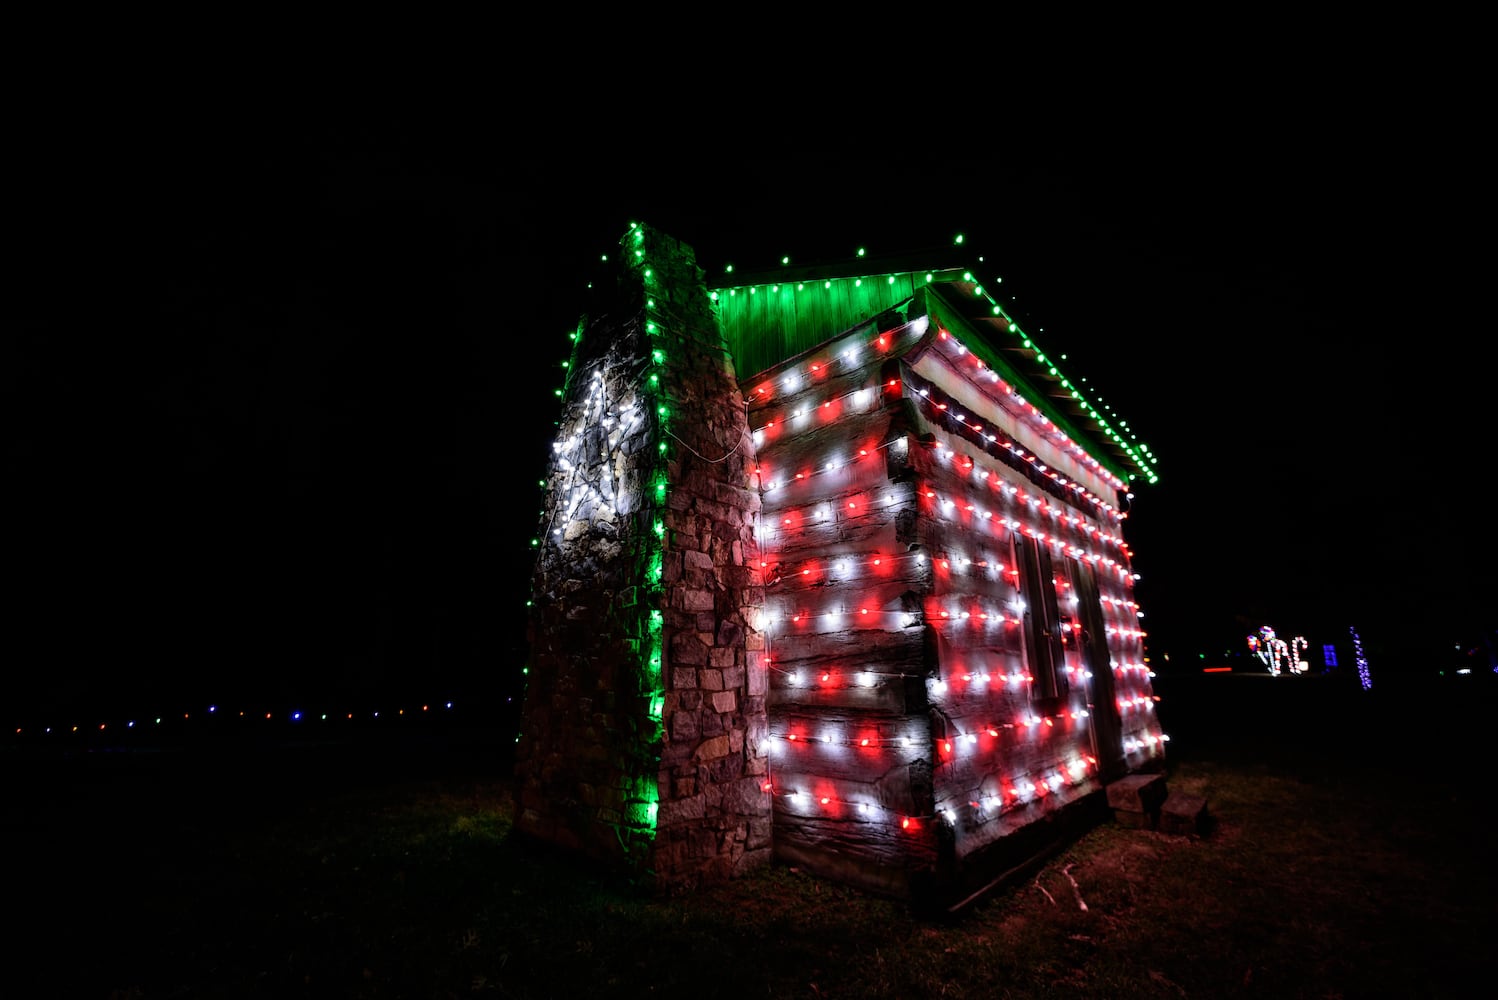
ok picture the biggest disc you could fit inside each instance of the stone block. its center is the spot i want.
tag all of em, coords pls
(694, 600)
(1184, 814)
(733, 677)
(713, 748)
(672, 812)
(1141, 793)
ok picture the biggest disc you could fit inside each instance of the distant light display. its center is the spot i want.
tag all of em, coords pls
(1278, 654)
(1362, 660)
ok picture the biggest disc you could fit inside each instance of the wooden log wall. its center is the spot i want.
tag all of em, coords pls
(850, 750)
(921, 564)
(1031, 574)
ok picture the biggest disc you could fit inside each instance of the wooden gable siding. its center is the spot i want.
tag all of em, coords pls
(764, 325)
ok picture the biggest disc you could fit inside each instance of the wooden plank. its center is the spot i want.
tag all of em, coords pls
(839, 689)
(897, 652)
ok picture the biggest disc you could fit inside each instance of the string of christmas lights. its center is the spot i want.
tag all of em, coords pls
(867, 396)
(837, 404)
(148, 721)
(789, 517)
(1139, 453)
(1275, 652)
(1362, 660)
(1021, 408)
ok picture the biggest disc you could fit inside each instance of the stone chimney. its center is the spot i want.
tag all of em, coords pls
(643, 735)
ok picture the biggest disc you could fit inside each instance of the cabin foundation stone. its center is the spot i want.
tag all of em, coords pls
(1136, 800)
(1184, 814)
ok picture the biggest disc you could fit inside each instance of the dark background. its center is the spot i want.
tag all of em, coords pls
(278, 394)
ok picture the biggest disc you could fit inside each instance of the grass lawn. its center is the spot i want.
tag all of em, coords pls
(1351, 856)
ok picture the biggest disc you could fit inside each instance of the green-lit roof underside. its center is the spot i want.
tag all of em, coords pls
(766, 318)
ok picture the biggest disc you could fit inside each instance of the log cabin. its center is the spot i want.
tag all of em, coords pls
(831, 572)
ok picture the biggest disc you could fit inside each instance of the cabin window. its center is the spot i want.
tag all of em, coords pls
(1044, 651)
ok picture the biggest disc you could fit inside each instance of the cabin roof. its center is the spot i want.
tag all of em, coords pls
(767, 315)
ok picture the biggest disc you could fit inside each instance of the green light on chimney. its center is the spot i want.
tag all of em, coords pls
(785, 260)
(641, 804)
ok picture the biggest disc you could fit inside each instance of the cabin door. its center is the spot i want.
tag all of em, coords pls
(1107, 730)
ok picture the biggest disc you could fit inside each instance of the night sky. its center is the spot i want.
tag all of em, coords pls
(277, 400)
